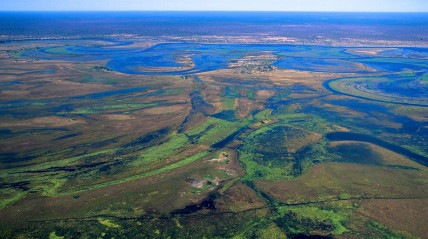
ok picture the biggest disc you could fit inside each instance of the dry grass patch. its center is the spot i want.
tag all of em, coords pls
(239, 197)
(263, 95)
(172, 109)
(245, 107)
(118, 117)
(313, 80)
(388, 157)
(329, 181)
(293, 144)
(406, 215)
(48, 121)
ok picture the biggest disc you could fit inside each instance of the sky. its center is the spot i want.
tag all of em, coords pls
(217, 5)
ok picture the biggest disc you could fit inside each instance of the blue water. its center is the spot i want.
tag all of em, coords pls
(164, 59)
(405, 52)
(395, 64)
(11, 83)
(110, 26)
(319, 65)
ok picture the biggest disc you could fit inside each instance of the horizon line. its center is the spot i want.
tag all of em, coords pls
(260, 11)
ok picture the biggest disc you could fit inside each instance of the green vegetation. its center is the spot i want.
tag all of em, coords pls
(18, 53)
(10, 196)
(53, 235)
(279, 151)
(175, 165)
(213, 130)
(228, 103)
(272, 231)
(162, 151)
(104, 108)
(110, 81)
(147, 174)
(264, 154)
(107, 223)
(424, 77)
(87, 152)
(309, 217)
(383, 231)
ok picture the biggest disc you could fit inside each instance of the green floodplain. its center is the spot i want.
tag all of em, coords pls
(101, 139)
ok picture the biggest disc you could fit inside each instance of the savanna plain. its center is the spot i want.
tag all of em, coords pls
(256, 129)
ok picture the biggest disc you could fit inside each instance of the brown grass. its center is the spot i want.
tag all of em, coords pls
(408, 215)
(160, 193)
(388, 157)
(63, 83)
(48, 121)
(281, 77)
(419, 114)
(328, 180)
(263, 95)
(212, 95)
(340, 128)
(245, 106)
(239, 197)
(342, 111)
(118, 117)
(172, 109)
(300, 139)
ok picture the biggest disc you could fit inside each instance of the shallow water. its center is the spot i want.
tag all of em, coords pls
(164, 59)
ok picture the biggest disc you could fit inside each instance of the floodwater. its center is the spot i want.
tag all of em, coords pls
(189, 58)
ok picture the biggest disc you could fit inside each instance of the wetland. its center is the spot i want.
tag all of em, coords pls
(238, 130)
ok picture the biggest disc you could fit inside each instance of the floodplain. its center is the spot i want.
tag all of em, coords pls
(138, 138)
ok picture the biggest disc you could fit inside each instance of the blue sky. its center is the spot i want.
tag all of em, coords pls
(217, 5)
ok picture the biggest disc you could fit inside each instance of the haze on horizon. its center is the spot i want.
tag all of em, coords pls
(217, 5)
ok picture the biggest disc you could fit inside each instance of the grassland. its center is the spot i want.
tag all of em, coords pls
(242, 151)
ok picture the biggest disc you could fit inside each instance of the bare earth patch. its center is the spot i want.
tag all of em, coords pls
(118, 117)
(368, 51)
